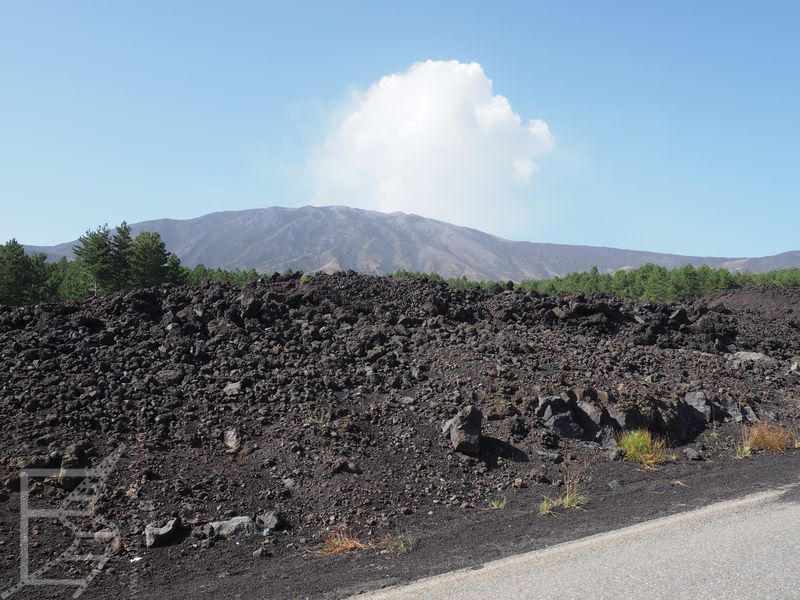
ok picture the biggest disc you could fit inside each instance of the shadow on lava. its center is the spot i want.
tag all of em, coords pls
(493, 448)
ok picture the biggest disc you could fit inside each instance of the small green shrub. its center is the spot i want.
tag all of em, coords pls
(641, 446)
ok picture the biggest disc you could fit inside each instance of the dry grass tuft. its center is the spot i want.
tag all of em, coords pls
(320, 417)
(743, 449)
(643, 447)
(340, 541)
(402, 543)
(770, 437)
(498, 503)
(571, 499)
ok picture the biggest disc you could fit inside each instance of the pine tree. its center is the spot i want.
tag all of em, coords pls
(72, 283)
(657, 285)
(148, 260)
(175, 273)
(43, 287)
(15, 274)
(121, 243)
(95, 255)
(686, 281)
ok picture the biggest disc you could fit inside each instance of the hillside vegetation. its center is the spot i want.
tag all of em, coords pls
(328, 239)
(108, 261)
(105, 262)
(649, 282)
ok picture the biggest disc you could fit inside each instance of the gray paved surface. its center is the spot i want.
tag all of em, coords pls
(746, 548)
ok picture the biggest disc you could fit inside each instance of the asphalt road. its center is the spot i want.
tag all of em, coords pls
(745, 548)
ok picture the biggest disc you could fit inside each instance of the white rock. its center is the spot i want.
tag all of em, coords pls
(232, 389)
(749, 356)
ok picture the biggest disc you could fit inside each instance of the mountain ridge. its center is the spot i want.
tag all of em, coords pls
(332, 238)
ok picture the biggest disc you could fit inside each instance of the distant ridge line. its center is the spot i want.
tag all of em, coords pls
(331, 238)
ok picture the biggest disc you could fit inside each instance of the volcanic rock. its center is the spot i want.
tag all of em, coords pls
(170, 376)
(464, 430)
(155, 536)
(692, 453)
(232, 389)
(550, 456)
(698, 408)
(325, 369)
(232, 439)
(271, 519)
(556, 412)
(235, 526)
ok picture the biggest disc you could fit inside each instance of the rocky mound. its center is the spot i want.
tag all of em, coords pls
(296, 404)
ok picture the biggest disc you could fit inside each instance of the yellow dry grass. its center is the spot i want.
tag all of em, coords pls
(770, 437)
(340, 541)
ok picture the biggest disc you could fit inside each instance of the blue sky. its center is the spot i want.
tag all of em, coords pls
(674, 125)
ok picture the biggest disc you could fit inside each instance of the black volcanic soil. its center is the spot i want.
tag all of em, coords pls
(323, 400)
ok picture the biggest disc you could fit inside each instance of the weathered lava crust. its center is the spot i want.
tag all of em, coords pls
(299, 404)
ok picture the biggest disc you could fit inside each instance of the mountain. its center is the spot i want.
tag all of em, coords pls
(333, 238)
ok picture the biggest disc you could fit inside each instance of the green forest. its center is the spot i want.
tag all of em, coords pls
(105, 261)
(653, 282)
(109, 261)
(648, 282)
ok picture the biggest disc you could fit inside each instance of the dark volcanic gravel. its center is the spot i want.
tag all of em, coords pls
(310, 404)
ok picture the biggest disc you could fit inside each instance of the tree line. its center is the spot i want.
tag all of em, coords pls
(105, 261)
(108, 261)
(648, 282)
(654, 282)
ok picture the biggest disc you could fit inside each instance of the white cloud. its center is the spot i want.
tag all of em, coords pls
(435, 141)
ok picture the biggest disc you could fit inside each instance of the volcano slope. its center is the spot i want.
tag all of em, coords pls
(253, 423)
